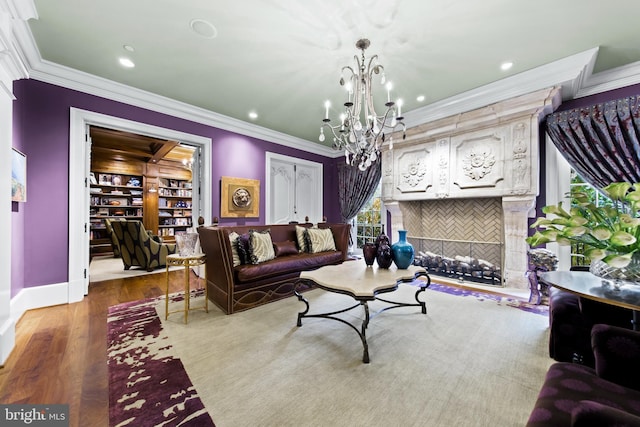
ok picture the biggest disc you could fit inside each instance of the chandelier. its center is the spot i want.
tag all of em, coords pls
(361, 131)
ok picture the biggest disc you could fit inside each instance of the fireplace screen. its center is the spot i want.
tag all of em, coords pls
(461, 260)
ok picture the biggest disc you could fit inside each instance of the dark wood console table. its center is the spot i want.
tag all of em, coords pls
(589, 286)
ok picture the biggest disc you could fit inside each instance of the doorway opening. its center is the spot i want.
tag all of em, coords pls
(136, 177)
(80, 153)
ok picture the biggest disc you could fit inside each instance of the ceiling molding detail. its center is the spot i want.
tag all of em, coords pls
(13, 16)
(573, 74)
(625, 75)
(569, 73)
(52, 73)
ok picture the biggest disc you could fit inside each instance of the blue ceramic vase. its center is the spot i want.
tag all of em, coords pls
(402, 251)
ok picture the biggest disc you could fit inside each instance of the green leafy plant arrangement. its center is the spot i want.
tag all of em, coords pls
(609, 233)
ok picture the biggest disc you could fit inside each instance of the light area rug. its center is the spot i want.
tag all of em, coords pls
(110, 268)
(474, 359)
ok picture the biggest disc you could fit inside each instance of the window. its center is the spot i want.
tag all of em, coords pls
(369, 220)
(598, 199)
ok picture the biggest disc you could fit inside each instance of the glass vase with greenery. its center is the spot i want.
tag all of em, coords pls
(608, 233)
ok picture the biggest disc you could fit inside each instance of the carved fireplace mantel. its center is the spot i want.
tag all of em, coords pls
(491, 152)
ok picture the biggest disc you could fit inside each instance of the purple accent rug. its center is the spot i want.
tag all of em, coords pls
(498, 298)
(148, 386)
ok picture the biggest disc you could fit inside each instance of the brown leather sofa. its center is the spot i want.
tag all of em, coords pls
(244, 286)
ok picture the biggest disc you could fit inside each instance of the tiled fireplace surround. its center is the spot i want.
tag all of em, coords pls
(471, 177)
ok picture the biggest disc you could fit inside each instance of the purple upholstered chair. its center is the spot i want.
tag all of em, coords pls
(609, 395)
(570, 320)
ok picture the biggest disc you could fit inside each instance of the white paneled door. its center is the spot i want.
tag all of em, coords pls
(294, 190)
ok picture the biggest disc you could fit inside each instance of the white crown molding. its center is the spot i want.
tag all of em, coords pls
(616, 78)
(49, 72)
(569, 73)
(20, 9)
(573, 74)
(13, 17)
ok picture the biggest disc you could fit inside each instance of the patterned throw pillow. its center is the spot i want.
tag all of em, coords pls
(233, 239)
(243, 248)
(320, 240)
(300, 237)
(260, 246)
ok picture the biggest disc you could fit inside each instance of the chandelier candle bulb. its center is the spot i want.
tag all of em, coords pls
(327, 104)
(389, 86)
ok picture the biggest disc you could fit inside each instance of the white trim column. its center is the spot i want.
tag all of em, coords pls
(558, 176)
(11, 69)
(397, 221)
(515, 215)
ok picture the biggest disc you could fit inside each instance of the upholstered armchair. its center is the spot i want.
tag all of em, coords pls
(137, 247)
(115, 246)
(607, 395)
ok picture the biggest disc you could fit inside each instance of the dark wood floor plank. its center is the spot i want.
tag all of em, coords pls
(60, 354)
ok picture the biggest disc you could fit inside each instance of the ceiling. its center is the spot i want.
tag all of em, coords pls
(119, 145)
(282, 58)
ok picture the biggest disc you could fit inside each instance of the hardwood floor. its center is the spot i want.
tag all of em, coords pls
(60, 356)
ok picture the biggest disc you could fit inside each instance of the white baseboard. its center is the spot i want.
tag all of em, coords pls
(7, 339)
(38, 297)
(28, 299)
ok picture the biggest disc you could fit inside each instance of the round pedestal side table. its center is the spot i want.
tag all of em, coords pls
(187, 262)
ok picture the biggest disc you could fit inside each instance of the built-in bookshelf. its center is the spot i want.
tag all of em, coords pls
(112, 196)
(174, 206)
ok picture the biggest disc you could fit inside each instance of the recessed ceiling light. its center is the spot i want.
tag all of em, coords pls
(253, 115)
(420, 98)
(126, 62)
(506, 66)
(203, 28)
(128, 48)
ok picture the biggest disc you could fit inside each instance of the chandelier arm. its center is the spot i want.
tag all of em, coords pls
(357, 96)
(333, 130)
(348, 67)
(369, 76)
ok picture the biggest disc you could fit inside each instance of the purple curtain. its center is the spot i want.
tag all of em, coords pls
(600, 142)
(356, 187)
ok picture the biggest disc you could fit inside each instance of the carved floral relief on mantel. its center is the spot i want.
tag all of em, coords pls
(443, 169)
(521, 171)
(479, 160)
(413, 171)
(477, 164)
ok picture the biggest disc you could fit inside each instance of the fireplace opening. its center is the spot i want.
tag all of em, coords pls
(461, 260)
(461, 239)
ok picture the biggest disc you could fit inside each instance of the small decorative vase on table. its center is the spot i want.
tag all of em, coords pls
(384, 255)
(186, 243)
(403, 252)
(369, 251)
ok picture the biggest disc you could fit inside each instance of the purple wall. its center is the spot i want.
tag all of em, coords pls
(41, 130)
(17, 214)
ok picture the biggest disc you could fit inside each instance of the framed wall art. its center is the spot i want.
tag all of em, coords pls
(240, 197)
(18, 176)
